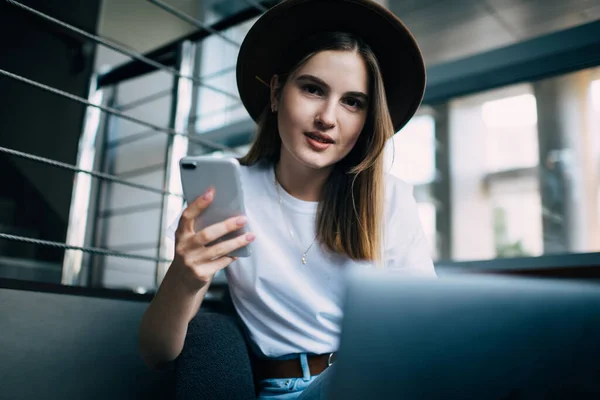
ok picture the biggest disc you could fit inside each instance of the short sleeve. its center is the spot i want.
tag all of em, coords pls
(172, 228)
(407, 250)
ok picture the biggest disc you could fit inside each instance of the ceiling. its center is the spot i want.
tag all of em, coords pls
(453, 29)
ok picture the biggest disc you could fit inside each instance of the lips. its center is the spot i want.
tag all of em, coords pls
(320, 137)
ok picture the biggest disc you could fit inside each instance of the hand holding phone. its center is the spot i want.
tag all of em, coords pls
(199, 255)
(199, 174)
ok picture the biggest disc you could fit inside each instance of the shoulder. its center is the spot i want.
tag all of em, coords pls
(255, 171)
(406, 246)
(400, 208)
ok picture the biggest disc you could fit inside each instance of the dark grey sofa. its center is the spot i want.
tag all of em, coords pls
(67, 343)
(72, 343)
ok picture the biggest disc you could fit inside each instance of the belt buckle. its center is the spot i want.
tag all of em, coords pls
(329, 361)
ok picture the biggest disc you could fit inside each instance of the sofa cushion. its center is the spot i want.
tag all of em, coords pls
(66, 346)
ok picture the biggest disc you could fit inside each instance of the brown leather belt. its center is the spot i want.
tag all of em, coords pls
(277, 369)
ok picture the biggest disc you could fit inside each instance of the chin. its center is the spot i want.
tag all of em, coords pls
(315, 160)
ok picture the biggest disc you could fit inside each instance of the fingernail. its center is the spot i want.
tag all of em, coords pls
(208, 195)
(250, 237)
(240, 220)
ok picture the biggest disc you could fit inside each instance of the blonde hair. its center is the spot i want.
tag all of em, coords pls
(351, 208)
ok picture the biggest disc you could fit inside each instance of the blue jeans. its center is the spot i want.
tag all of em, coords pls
(306, 388)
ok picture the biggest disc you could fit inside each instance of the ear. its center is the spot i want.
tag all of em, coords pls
(275, 86)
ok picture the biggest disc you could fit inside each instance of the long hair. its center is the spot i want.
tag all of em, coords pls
(350, 211)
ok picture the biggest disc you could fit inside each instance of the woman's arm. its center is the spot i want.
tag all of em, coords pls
(165, 322)
(164, 325)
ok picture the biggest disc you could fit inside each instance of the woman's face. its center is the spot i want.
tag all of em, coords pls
(322, 108)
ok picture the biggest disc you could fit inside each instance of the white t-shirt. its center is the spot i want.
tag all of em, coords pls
(288, 307)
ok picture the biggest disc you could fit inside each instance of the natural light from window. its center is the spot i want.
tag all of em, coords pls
(517, 111)
(410, 155)
(511, 132)
(596, 94)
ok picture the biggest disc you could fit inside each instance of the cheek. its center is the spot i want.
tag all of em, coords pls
(355, 128)
(285, 123)
(292, 117)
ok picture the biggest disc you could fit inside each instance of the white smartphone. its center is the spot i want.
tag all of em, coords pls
(198, 173)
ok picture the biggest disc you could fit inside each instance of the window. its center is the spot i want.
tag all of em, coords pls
(511, 130)
(410, 154)
(595, 127)
(524, 169)
(595, 94)
(516, 221)
(217, 58)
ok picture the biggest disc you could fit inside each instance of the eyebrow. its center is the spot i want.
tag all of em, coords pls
(312, 78)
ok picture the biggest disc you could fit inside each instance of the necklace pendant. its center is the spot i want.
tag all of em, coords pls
(304, 259)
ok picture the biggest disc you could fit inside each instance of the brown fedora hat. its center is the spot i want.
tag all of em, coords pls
(397, 52)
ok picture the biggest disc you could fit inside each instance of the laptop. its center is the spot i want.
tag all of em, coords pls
(467, 337)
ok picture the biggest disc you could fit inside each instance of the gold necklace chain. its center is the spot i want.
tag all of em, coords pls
(296, 240)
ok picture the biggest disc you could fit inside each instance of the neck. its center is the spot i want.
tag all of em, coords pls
(300, 181)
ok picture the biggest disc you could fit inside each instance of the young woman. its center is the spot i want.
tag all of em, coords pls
(329, 82)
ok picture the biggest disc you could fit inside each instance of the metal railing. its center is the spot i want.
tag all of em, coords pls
(178, 59)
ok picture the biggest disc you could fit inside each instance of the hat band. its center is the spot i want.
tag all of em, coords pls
(261, 81)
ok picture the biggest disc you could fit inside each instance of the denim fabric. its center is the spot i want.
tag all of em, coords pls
(306, 388)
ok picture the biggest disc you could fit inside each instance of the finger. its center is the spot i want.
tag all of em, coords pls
(220, 263)
(192, 211)
(223, 248)
(214, 232)
(197, 259)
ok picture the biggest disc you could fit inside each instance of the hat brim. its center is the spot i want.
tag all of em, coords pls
(397, 52)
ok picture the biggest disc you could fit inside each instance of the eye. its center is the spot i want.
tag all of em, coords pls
(312, 89)
(354, 102)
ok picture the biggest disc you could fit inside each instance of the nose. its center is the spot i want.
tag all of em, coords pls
(325, 118)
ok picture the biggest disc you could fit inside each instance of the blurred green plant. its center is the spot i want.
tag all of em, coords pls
(503, 245)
